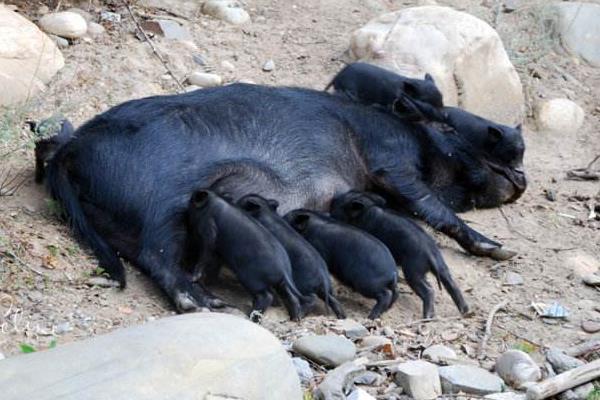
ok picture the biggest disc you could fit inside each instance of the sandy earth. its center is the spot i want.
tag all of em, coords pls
(44, 295)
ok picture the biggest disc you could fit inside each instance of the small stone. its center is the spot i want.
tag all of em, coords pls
(35, 296)
(350, 328)
(226, 10)
(469, 379)
(191, 88)
(590, 326)
(60, 42)
(43, 10)
(388, 331)
(173, 31)
(328, 350)
(591, 279)
(513, 279)
(268, 66)
(509, 6)
(550, 194)
(204, 79)
(95, 30)
(63, 328)
(374, 341)
(439, 354)
(360, 394)
(102, 282)
(228, 66)
(506, 396)
(582, 264)
(559, 115)
(110, 17)
(340, 381)
(369, 378)
(517, 369)
(419, 379)
(64, 24)
(86, 15)
(303, 369)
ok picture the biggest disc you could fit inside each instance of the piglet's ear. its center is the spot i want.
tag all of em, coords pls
(273, 204)
(429, 78)
(300, 221)
(519, 127)
(200, 198)
(495, 134)
(355, 208)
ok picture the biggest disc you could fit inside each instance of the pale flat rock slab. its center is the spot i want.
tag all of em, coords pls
(419, 379)
(328, 350)
(190, 356)
(517, 369)
(468, 379)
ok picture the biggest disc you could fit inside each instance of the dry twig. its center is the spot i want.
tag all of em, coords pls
(488, 327)
(11, 183)
(585, 174)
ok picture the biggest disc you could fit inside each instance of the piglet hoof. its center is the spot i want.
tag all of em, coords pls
(501, 254)
(256, 316)
(185, 303)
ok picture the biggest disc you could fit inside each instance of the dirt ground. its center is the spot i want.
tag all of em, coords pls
(45, 293)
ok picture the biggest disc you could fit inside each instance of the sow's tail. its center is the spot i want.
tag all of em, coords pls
(62, 190)
(440, 269)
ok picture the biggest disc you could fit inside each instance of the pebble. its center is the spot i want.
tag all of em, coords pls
(95, 30)
(419, 379)
(35, 296)
(439, 353)
(173, 31)
(110, 17)
(102, 282)
(350, 328)
(328, 350)
(43, 10)
(360, 394)
(517, 369)
(303, 368)
(469, 379)
(268, 66)
(63, 328)
(506, 396)
(369, 378)
(228, 66)
(509, 6)
(388, 331)
(513, 279)
(561, 116)
(582, 264)
(60, 42)
(226, 10)
(375, 342)
(204, 79)
(590, 326)
(64, 24)
(591, 279)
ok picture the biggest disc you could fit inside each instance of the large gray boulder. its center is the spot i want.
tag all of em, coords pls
(463, 53)
(579, 29)
(28, 58)
(194, 356)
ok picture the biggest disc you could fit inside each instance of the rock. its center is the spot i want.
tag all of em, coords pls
(188, 9)
(590, 326)
(369, 378)
(268, 66)
(509, 6)
(360, 394)
(172, 30)
(375, 342)
(328, 350)
(187, 356)
(43, 10)
(95, 30)
(204, 79)
(226, 65)
(562, 362)
(439, 354)
(582, 264)
(227, 10)
(517, 369)
(513, 279)
(350, 328)
(102, 282)
(506, 396)
(559, 115)
(463, 54)
(339, 381)
(64, 24)
(469, 379)
(60, 42)
(577, 24)
(419, 379)
(28, 58)
(591, 279)
(111, 17)
(63, 328)
(303, 369)
(86, 15)
(35, 296)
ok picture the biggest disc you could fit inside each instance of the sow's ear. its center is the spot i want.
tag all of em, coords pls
(355, 208)
(519, 128)
(250, 205)
(494, 134)
(429, 78)
(273, 204)
(200, 198)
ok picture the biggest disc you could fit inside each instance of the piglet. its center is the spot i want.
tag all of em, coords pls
(225, 233)
(308, 267)
(354, 257)
(413, 249)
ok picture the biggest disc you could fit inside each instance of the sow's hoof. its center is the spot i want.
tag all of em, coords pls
(501, 254)
(496, 252)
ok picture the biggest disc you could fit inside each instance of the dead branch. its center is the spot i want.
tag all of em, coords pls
(11, 183)
(562, 382)
(488, 327)
(585, 174)
(513, 229)
(583, 349)
(154, 49)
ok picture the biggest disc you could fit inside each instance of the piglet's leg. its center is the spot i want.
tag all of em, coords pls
(262, 301)
(413, 194)
(384, 300)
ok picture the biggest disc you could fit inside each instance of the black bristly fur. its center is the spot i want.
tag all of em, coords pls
(413, 249)
(354, 257)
